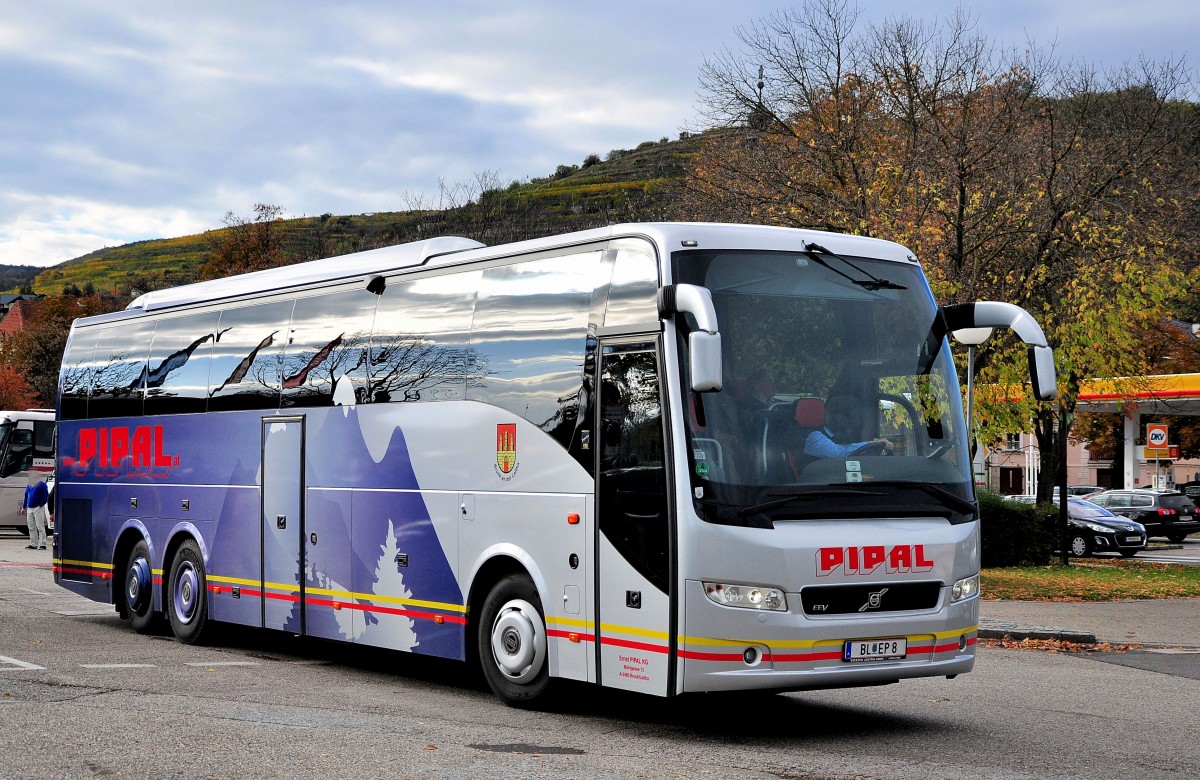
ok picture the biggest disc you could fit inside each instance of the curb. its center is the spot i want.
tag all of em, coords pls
(999, 629)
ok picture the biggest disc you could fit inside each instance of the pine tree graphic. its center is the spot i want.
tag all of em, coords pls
(390, 630)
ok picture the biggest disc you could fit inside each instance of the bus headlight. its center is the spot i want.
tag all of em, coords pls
(746, 596)
(965, 588)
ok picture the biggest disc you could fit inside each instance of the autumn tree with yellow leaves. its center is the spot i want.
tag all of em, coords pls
(247, 244)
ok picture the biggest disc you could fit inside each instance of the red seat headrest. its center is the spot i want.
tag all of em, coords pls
(810, 412)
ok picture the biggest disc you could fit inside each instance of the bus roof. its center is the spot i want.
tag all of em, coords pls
(452, 250)
(26, 414)
(371, 262)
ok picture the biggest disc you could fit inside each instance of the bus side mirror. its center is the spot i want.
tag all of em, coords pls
(705, 349)
(704, 343)
(995, 314)
(1041, 373)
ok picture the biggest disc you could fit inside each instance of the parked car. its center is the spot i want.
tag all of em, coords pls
(1094, 529)
(1166, 513)
(1078, 491)
(1191, 490)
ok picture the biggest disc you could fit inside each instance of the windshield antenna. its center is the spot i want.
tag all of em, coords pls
(871, 283)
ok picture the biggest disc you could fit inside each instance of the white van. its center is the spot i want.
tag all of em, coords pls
(27, 443)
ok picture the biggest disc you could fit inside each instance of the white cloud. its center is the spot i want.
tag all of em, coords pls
(41, 230)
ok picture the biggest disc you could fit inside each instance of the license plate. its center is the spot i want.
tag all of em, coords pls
(860, 650)
(1133, 539)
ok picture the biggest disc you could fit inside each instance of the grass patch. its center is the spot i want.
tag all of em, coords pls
(1096, 579)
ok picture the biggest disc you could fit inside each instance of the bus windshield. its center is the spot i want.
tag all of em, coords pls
(839, 398)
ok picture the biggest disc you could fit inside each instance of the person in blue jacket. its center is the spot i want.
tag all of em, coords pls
(37, 495)
(835, 438)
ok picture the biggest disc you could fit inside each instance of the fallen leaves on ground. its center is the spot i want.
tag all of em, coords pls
(1058, 645)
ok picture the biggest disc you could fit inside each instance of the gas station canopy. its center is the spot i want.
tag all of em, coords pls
(1134, 397)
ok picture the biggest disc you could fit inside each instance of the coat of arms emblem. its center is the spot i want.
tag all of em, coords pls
(506, 447)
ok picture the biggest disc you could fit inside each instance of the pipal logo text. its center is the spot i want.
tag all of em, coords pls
(866, 560)
(122, 451)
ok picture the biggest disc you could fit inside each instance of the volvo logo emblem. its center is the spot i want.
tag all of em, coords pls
(873, 600)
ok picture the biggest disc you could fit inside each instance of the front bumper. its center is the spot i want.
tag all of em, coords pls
(727, 648)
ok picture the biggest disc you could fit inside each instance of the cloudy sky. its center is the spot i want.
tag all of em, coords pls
(129, 120)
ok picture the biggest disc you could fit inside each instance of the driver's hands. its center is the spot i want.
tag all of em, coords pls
(888, 447)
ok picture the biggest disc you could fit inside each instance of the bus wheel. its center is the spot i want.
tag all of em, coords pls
(187, 597)
(512, 642)
(139, 588)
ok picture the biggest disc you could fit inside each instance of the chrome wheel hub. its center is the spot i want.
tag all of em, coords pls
(518, 641)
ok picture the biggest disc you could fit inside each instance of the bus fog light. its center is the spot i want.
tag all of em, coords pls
(746, 596)
(965, 589)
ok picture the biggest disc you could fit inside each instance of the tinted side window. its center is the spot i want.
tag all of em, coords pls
(632, 488)
(247, 357)
(19, 455)
(1142, 501)
(420, 348)
(325, 360)
(75, 380)
(43, 439)
(530, 328)
(119, 370)
(177, 371)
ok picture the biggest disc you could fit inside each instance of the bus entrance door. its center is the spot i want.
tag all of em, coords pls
(283, 523)
(633, 628)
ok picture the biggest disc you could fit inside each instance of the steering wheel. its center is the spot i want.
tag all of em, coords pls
(870, 448)
(920, 431)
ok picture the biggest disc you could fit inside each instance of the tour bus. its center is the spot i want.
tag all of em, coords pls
(582, 457)
(26, 447)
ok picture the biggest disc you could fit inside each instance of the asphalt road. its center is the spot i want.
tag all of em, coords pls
(82, 696)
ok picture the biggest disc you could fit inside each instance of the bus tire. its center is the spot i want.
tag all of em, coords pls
(512, 642)
(187, 595)
(138, 590)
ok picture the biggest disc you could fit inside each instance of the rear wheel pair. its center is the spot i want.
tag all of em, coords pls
(186, 596)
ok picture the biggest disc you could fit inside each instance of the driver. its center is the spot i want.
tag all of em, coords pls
(841, 423)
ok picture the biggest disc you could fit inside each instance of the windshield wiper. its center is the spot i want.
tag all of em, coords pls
(807, 495)
(945, 497)
(871, 283)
